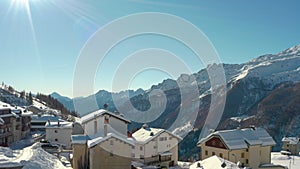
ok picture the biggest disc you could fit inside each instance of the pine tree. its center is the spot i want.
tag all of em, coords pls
(30, 100)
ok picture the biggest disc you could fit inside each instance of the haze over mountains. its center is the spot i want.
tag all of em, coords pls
(264, 92)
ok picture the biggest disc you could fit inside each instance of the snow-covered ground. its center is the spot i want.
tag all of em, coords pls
(32, 157)
(292, 162)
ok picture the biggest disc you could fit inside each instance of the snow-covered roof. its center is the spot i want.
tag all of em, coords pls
(291, 140)
(101, 112)
(144, 135)
(213, 162)
(241, 138)
(79, 139)
(60, 125)
(45, 118)
(97, 140)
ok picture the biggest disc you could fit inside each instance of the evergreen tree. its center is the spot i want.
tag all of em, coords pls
(22, 94)
(30, 100)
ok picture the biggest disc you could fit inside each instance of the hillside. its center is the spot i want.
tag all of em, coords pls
(13, 97)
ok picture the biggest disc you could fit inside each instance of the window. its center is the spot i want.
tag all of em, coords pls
(95, 127)
(247, 161)
(170, 138)
(154, 147)
(141, 156)
(206, 152)
(247, 150)
(111, 142)
(141, 148)
(111, 153)
(242, 155)
(221, 155)
(213, 153)
(132, 155)
(56, 139)
(55, 131)
(161, 139)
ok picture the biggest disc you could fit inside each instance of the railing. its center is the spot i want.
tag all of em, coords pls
(155, 159)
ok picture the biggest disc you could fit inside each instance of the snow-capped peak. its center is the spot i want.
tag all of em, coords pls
(295, 50)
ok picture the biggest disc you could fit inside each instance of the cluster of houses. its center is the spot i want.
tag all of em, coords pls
(106, 143)
(14, 124)
(101, 140)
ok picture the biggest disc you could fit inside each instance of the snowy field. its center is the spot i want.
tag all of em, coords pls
(292, 162)
(32, 157)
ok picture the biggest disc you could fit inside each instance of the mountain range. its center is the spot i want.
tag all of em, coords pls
(264, 92)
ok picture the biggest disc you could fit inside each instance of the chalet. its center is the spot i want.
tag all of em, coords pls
(290, 145)
(154, 146)
(251, 147)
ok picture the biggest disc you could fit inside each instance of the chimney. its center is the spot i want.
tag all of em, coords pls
(145, 126)
(129, 134)
(211, 130)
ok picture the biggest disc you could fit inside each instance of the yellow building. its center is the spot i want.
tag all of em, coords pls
(251, 147)
(112, 151)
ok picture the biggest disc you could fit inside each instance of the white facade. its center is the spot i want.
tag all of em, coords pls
(103, 122)
(152, 142)
(59, 133)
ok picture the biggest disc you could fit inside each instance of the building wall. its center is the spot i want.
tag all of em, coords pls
(265, 154)
(77, 129)
(118, 125)
(251, 157)
(293, 148)
(89, 127)
(16, 129)
(80, 156)
(6, 133)
(63, 135)
(160, 144)
(114, 153)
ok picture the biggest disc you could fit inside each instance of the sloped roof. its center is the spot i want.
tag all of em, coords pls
(101, 112)
(79, 139)
(97, 140)
(291, 140)
(144, 135)
(64, 124)
(241, 138)
(214, 162)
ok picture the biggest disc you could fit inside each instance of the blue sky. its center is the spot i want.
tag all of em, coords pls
(40, 40)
